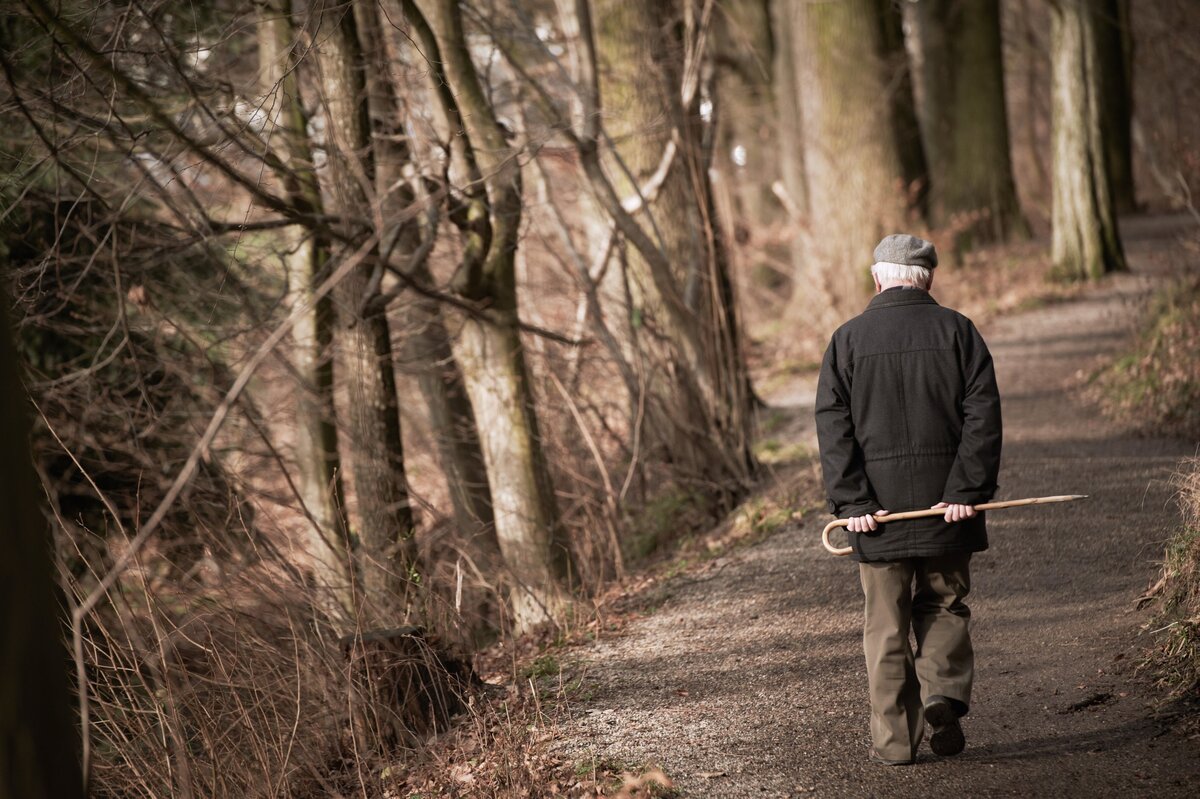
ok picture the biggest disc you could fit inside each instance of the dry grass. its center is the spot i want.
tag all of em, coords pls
(243, 687)
(505, 749)
(1175, 658)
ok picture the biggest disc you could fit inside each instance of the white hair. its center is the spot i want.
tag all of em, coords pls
(886, 272)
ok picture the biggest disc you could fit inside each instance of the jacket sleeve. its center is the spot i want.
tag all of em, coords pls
(841, 457)
(972, 479)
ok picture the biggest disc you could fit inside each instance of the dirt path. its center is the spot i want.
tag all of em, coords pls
(748, 680)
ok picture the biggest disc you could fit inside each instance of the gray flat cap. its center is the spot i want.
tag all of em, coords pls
(901, 248)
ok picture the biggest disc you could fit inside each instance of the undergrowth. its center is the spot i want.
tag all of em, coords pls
(1156, 386)
(1156, 389)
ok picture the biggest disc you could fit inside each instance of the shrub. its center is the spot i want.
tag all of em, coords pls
(1157, 386)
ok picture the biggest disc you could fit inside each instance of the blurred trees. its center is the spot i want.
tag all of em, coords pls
(678, 282)
(1114, 41)
(745, 46)
(863, 160)
(1085, 243)
(964, 121)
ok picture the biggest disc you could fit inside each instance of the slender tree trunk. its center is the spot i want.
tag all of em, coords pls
(452, 422)
(426, 348)
(1115, 45)
(859, 172)
(789, 124)
(964, 119)
(1085, 241)
(532, 539)
(305, 254)
(363, 342)
(39, 731)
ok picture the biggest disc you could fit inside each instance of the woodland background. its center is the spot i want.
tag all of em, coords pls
(362, 337)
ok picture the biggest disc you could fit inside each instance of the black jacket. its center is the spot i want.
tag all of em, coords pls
(908, 415)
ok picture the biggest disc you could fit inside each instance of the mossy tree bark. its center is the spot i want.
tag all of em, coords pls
(747, 120)
(305, 253)
(426, 349)
(488, 346)
(371, 419)
(1085, 241)
(704, 400)
(864, 168)
(964, 119)
(902, 106)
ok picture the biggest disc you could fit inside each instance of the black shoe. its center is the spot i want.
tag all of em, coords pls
(875, 757)
(947, 738)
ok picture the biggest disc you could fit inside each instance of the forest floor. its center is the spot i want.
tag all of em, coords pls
(744, 676)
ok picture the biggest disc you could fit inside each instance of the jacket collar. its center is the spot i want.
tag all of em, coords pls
(901, 296)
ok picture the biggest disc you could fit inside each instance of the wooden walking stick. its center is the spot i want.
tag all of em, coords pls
(918, 514)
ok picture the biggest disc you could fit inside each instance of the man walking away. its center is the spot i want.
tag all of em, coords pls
(908, 416)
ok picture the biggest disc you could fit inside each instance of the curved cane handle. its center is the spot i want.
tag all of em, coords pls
(833, 525)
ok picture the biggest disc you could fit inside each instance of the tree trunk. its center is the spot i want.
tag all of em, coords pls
(789, 124)
(641, 65)
(1085, 241)
(426, 346)
(859, 172)
(964, 119)
(363, 341)
(746, 135)
(39, 731)
(1115, 45)
(305, 254)
(914, 168)
(452, 422)
(532, 539)
(640, 61)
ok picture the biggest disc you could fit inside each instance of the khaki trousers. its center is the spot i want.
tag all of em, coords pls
(926, 596)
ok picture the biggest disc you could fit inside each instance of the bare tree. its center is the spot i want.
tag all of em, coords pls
(362, 337)
(746, 141)
(411, 219)
(1115, 43)
(488, 345)
(649, 89)
(305, 253)
(792, 187)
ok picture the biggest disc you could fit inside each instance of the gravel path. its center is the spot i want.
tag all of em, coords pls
(748, 679)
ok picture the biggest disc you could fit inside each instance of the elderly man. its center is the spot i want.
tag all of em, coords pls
(908, 416)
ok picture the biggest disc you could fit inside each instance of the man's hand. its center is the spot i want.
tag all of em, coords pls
(864, 524)
(956, 513)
